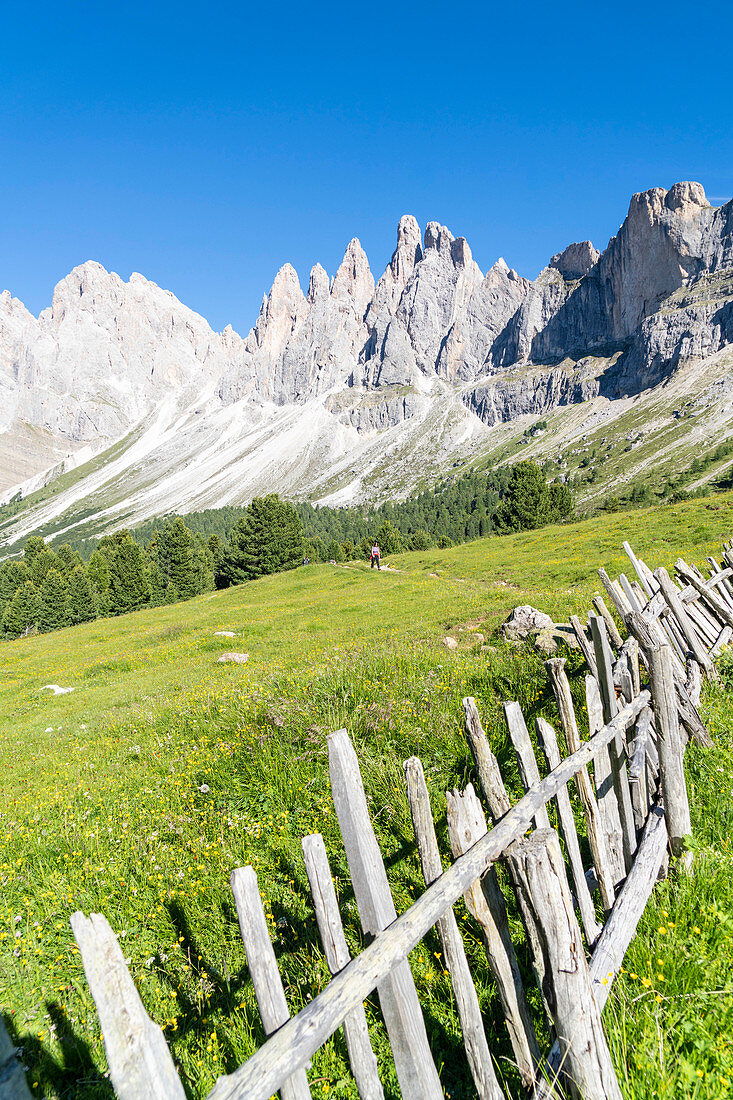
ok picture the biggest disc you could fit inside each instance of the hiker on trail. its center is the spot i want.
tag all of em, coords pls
(376, 556)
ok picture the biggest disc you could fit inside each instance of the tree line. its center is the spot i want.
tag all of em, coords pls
(169, 559)
(46, 589)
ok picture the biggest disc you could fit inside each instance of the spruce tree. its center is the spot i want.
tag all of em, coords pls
(54, 598)
(13, 574)
(129, 588)
(42, 563)
(98, 573)
(267, 539)
(82, 599)
(23, 612)
(174, 549)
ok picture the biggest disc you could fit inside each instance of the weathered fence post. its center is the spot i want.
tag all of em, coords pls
(591, 926)
(596, 835)
(669, 747)
(263, 969)
(140, 1064)
(616, 748)
(585, 1057)
(403, 1017)
(361, 1056)
(485, 901)
(13, 1084)
(469, 1011)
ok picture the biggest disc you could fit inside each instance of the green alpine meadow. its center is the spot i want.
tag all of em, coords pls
(140, 770)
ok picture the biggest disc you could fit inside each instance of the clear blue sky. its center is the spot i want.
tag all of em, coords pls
(206, 144)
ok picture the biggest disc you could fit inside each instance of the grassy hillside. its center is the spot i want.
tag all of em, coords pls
(136, 794)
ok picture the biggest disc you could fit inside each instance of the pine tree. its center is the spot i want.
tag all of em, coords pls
(389, 539)
(23, 612)
(13, 574)
(42, 563)
(98, 573)
(82, 599)
(267, 539)
(174, 549)
(54, 597)
(129, 588)
(526, 502)
(70, 559)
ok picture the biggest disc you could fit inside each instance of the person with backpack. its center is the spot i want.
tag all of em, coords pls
(376, 556)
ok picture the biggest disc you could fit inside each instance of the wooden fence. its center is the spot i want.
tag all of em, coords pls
(636, 813)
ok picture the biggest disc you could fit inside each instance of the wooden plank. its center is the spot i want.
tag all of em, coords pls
(672, 596)
(594, 826)
(584, 1051)
(616, 749)
(295, 1043)
(361, 1055)
(497, 799)
(711, 598)
(13, 1085)
(398, 998)
(723, 639)
(263, 969)
(669, 747)
(638, 570)
(487, 765)
(613, 631)
(585, 646)
(485, 901)
(638, 768)
(567, 823)
(619, 930)
(464, 991)
(608, 815)
(528, 770)
(140, 1064)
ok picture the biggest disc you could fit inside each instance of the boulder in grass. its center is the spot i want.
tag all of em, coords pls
(450, 643)
(224, 634)
(524, 622)
(237, 658)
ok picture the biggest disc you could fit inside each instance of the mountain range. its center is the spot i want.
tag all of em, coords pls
(120, 403)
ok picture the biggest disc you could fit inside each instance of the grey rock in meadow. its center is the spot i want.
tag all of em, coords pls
(235, 658)
(524, 621)
(450, 643)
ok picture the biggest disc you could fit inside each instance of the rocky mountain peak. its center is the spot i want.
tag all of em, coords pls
(318, 284)
(685, 197)
(354, 279)
(576, 260)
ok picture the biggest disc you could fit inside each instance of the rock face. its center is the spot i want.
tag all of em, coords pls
(330, 383)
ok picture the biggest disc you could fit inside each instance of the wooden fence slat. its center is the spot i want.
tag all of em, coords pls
(671, 769)
(711, 598)
(263, 969)
(528, 770)
(584, 1052)
(608, 814)
(485, 901)
(296, 1041)
(398, 998)
(721, 640)
(616, 748)
(619, 930)
(361, 1055)
(567, 823)
(672, 596)
(13, 1085)
(487, 765)
(648, 588)
(613, 632)
(638, 768)
(585, 646)
(497, 798)
(596, 832)
(140, 1064)
(469, 1010)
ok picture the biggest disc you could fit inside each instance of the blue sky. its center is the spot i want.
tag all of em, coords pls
(205, 145)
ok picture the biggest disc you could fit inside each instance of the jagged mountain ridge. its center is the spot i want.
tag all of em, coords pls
(353, 389)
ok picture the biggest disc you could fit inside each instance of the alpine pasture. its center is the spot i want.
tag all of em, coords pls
(136, 794)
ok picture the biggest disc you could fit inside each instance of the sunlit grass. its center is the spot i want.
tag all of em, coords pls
(136, 794)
